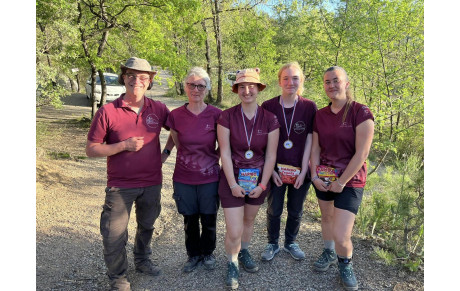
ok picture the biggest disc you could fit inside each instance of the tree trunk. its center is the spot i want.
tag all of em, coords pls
(216, 20)
(103, 86)
(208, 60)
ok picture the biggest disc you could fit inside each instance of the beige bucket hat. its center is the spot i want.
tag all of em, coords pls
(248, 76)
(137, 64)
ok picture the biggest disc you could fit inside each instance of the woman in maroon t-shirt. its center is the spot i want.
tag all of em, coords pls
(248, 138)
(196, 174)
(296, 115)
(342, 137)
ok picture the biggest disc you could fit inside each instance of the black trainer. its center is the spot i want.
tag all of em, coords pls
(191, 264)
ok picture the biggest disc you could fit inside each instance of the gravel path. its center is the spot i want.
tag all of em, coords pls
(70, 194)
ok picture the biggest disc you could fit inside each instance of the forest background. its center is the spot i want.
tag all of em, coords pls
(380, 43)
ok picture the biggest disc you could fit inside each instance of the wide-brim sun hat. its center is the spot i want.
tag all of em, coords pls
(248, 76)
(137, 64)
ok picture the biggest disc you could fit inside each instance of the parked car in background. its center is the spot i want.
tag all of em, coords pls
(114, 89)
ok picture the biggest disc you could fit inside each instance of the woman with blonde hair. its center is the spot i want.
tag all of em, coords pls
(342, 137)
(296, 115)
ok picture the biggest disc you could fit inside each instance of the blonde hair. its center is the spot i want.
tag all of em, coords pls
(347, 90)
(294, 65)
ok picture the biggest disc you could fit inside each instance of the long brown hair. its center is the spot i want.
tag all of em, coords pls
(347, 90)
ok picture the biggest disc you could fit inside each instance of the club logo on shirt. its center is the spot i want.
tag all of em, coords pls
(299, 127)
(345, 124)
(152, 121)
(365, 109)
(208, 127)
(260, 132)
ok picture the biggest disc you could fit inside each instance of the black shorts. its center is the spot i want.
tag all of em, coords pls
(196, 199)
(350, 198)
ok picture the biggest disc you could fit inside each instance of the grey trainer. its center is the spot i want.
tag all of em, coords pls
(327, 258)
(244, 257)
(347, 277)
(269, 252)
(232, 276)
(295, 251)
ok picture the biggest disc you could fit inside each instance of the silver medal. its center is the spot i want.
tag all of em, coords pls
(248, 154)
(288, 144)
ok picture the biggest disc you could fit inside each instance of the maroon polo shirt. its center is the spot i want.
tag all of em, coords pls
(115, 122)
(302, 125)
(337, 138)
(197, 160)
(265, 123)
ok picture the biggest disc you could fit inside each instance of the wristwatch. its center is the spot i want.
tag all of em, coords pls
(166, 151)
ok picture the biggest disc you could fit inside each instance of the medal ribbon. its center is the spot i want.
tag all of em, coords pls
(292, 117)
(248, 139)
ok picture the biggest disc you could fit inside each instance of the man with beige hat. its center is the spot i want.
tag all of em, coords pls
(127, 131)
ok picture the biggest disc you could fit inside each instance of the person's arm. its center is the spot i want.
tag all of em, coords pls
(314, 162)
(269, 164)
(364, 136)
(169, 145)
(305, 161)
(223, 137)
(96, 149)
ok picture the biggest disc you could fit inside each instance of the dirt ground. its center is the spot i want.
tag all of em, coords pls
(69, 198)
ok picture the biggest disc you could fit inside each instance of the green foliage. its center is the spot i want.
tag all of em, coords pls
(393, 208)
(387, 257)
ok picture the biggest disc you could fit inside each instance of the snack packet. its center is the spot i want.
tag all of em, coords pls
(288, 174)
(247, 179)
(327, 174)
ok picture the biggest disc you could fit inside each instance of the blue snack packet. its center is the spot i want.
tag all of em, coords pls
(247, 179)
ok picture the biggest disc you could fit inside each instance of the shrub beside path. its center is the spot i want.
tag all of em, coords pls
(69, 198)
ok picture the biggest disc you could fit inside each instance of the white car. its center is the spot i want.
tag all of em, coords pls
(114, 89)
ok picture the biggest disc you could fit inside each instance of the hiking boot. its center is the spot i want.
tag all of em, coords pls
(232, 276)
(147, 267)
(270, 251)
(120, 284)
(246, 260)
(191, 264)
(327, 258)
(295, 251)
(347, 277)
(209, 262)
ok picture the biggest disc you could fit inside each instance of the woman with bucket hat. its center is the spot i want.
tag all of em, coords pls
(248, 138)
(126, 131)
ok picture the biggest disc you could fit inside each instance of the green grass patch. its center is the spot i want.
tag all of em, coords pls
(64, 156)
(83, 122)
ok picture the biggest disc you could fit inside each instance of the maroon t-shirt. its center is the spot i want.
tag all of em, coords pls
(265, 122)
(302, 125)
(337, 138)
(115, 122)
(197, 160)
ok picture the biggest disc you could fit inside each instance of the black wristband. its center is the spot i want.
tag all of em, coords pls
(166, 151)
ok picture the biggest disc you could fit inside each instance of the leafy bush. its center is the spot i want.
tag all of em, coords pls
(393, 209)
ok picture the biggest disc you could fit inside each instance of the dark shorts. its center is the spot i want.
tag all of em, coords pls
(196, 199)
(227, 200)
(350, 198)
